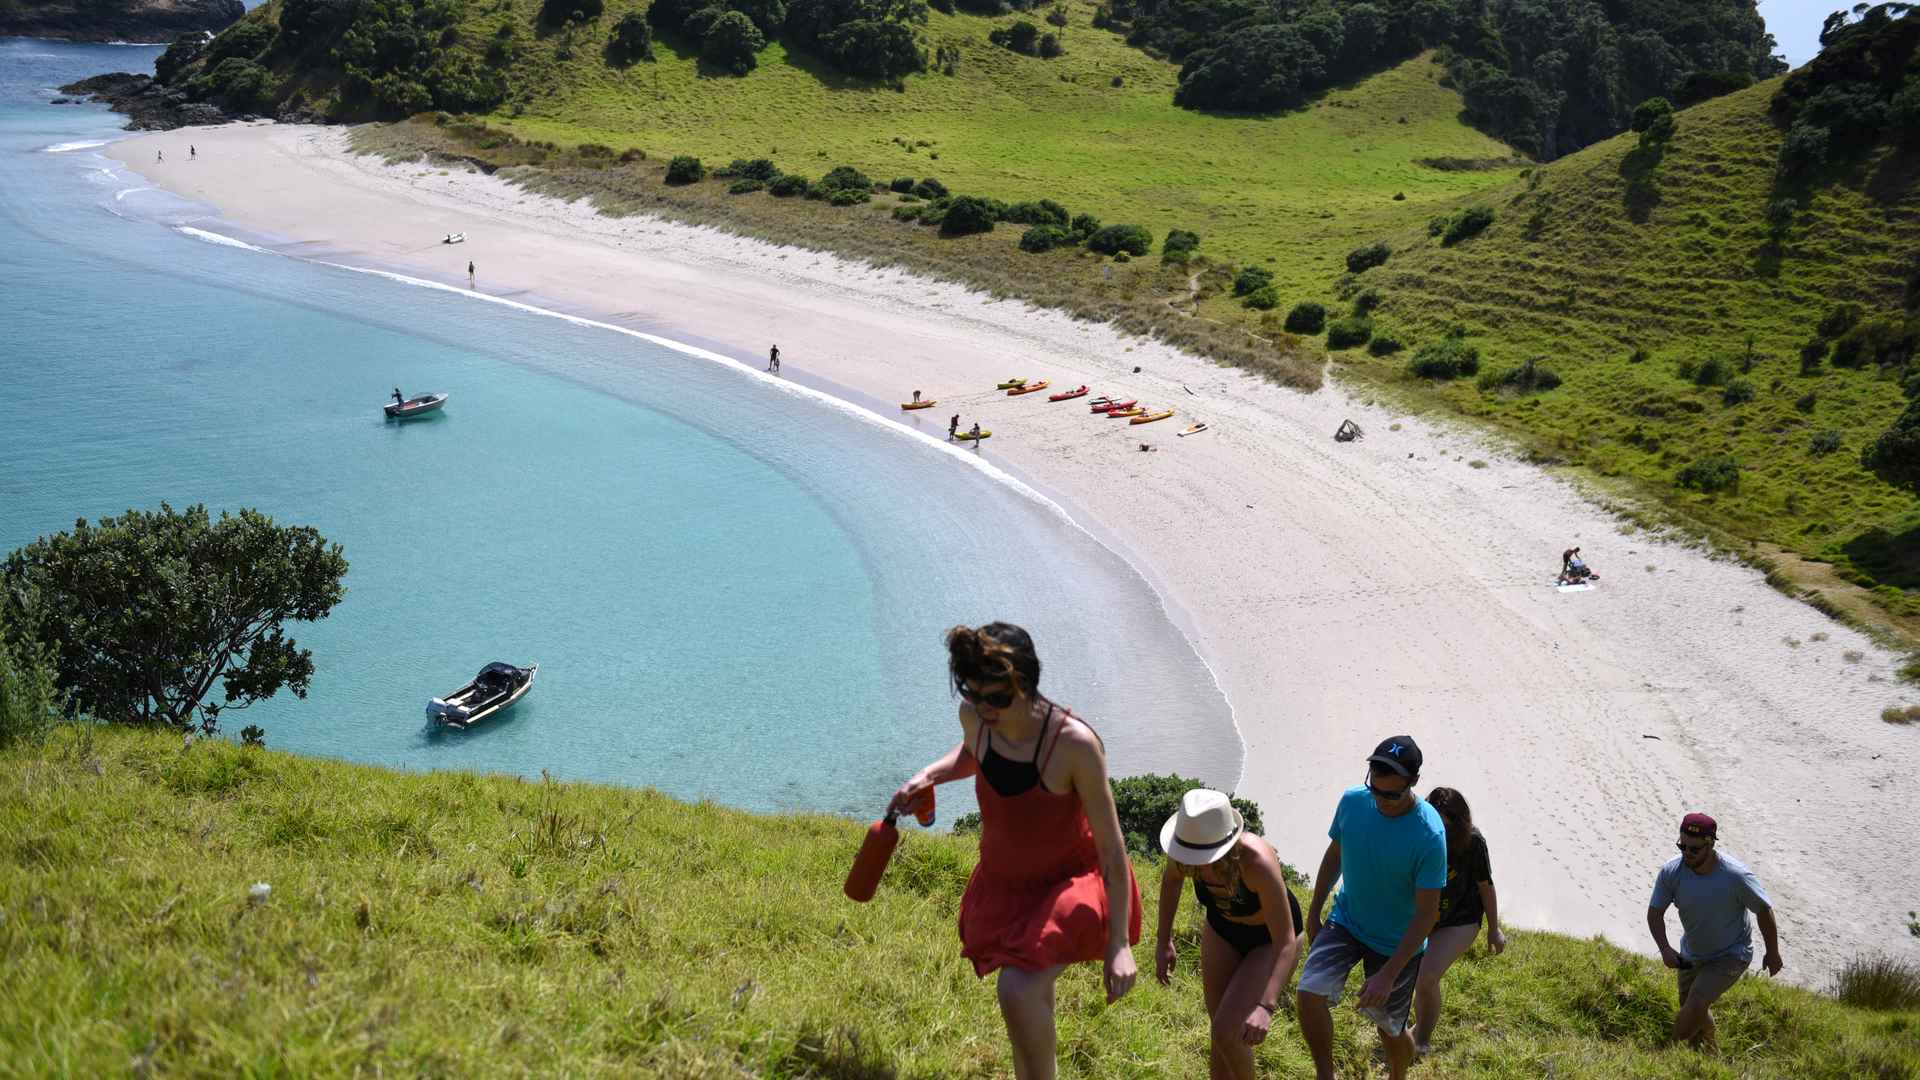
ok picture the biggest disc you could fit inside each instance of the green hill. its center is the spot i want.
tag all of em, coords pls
(449, 924)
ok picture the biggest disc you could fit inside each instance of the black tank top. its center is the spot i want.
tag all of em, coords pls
(1008, 777)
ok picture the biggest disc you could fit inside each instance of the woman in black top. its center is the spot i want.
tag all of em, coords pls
(1251, 941)
(1467, 898)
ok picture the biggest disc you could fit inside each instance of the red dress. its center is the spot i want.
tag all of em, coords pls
(1037, 897)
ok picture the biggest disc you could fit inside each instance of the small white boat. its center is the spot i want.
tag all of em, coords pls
(455, 238)
(418, 405)
(494, 690)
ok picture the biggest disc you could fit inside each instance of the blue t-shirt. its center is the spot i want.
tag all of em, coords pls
(1713, 908)
(1383, 861)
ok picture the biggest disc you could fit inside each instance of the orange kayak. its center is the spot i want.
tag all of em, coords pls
(1151, 417)
(1028, 389)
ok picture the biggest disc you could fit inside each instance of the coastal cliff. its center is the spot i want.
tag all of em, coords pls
(115, 20)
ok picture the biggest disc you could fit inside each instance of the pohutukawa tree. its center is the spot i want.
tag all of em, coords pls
(144, 615)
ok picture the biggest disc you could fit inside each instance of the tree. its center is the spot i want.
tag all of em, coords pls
(632, 40)
(1653, 119)
(30, 698)
(145, 613)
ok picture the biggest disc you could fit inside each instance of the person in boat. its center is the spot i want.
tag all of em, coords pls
(1252, 938)
(1053, 886)
(916, 397)
(399, 398)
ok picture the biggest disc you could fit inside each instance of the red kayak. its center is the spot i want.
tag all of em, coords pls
(1070, 394)
(1114, 406)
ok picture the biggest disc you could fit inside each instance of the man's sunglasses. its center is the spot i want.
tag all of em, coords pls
(1387, 796)
(1694, 849)
(999, 699)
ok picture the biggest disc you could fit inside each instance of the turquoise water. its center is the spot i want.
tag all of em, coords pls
(734, 588)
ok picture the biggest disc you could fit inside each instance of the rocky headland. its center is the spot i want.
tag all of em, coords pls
(116, 20)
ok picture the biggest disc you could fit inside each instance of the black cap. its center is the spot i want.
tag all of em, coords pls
(1400, 753)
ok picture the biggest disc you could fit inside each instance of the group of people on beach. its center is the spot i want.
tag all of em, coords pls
(1054, 886)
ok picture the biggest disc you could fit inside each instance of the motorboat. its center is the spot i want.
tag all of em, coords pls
(494, 690)
(418, 405)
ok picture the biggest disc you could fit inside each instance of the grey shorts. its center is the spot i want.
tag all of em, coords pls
(1706, 980)
(1333, 955)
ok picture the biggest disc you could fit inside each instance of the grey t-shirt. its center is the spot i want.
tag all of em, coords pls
(1713, 908)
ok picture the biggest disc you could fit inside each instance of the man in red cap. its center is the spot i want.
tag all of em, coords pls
(1714, 893)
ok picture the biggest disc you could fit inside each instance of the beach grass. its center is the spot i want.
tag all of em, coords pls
(451, 924)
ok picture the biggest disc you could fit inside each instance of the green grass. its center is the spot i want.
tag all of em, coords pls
(449, 924)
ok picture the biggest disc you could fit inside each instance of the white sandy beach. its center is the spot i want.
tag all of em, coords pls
(1342, 592)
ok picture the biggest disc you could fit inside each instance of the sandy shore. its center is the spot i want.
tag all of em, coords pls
(1342, 592)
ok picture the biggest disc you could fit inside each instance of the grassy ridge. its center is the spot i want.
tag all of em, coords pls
(452, 924)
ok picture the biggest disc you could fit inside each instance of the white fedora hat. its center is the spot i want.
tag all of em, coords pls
(1203, 830)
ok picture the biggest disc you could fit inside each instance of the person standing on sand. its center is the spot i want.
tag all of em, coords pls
(159, 155)
(1053, 886)
(192, 152)
(1390, 848)
(1467, 898)
(469, 273)
(1251, 942)
(1714, 892)
(953, 426)
(773, 359)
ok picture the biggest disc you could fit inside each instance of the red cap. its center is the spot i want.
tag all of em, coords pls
(1699, 825)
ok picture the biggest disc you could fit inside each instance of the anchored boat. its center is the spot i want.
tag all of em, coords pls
(496, 689)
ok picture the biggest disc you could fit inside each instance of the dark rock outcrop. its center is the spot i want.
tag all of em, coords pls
(116, 20)
(149, 105)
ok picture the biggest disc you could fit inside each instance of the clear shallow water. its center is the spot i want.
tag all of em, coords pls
(734, 589)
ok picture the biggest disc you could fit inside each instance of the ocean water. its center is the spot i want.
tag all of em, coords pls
(735, 588)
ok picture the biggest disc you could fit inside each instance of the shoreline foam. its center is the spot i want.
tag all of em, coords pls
(1339, 593)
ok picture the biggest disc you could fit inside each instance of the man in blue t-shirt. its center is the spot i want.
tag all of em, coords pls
(1714, 893)
(1390, 850)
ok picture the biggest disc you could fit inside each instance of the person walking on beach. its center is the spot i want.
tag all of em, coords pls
(1390, 849)
(469, 273)
(1714, 893)
(773, 359)
(953, 425)
(192, 152)
(1251, 942)
(1053, 886)
(975, 434)
(159, 155)
(1467, 898)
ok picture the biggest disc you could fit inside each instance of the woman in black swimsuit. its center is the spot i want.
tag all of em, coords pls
(1251, 942)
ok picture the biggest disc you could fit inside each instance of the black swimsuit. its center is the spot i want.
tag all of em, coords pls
(1244, 937)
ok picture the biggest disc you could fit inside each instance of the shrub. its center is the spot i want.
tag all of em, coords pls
(731, 42)
(1653, 119)
(1084, 225)
(1530, 377)
(846, 177)
(1737, 392)
(246, 39)
(1264, 298)
(769, 15)
(1711, 474)
(902, 185)
(671, 15)
(1366, 258)
(1050, 46)
(632, 39)
(1824, 443)
(848, 196)
(1179, 243)
(1437, 225)
(30, 699)
(555, 12)
(1250, 278)
(875, 48)
(1811, 354)
(1806, 402)
(1841, 319)
(761, 169)
(1307, 317)
(966, 215)
(685, 169)
(1045, 238)
(1709, 372)
(1022, 37)
(1882, 983)
(1466, 224)
(1895, 455)
(929, 188)
(1448, 358)
(1044, 212)
(1347, 333)
(1367, 300)
(787, 186)
(744, 185)
(1058, 16)
(1850, 351)
(1384, 343)
(1805, 151)
(186, 48)
(1114, 239)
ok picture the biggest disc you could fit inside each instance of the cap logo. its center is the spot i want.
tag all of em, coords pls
(1394, 749)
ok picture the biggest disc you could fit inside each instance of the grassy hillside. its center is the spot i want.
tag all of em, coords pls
(456, 925)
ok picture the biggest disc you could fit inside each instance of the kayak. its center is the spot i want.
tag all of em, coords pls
(968, 436)
(912, 405)
(1018, 390)
(1109, 406)
(1132, 411)
(1151, 417)
(1194, 430)
(1068, 395)
(1010, 384)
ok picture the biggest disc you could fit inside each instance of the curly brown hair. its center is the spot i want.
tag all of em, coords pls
(992, 652)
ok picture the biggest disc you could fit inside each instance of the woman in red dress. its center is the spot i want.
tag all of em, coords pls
(1053, 886)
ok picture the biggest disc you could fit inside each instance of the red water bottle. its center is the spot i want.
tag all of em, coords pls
(877, 849)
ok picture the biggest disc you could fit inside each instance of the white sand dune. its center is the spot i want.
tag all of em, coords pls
(1343, 592)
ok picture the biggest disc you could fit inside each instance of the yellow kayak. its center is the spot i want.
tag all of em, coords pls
(1010, 384)
(909, 406)
(967, 436)
(1117, 413)
(1151, 417)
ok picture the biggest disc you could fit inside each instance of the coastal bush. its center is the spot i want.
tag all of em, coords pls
(1022, 37)
(1250, 278)
(769, 16)
(929, 188)
(1841, 319)
(966, 215)
(557, 12)
(1179, 244)
(731, 42)
(1114, 239)
(1737, 392)
(908, 213)
(1653, 119)
(1367, 300)
(1384, 343)
(761, 169)
(30, 697)
(1044, 238)
(1347, 333)
(670, 16)
(1811, 354)
(1710, 474)
(1528, 378)
(144, 614)
(1712, 371)
(1895, 455)
(902, 185)
(1084, 226)
(244, 86)
(1264, 298)
(844, 177)
(848, 196)
(185, 49)
(1466, 224)
(1366, 258)
(1044, 212)
(1448, 358)
(246, 39)
(632, 40)
(1050, 47)
(1307, 317)
(1882, 983)
(874, 48)
(1824, 442)
(745, 185)
(686, 169)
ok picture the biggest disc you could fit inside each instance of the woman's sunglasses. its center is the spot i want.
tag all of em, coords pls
(999, 699)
